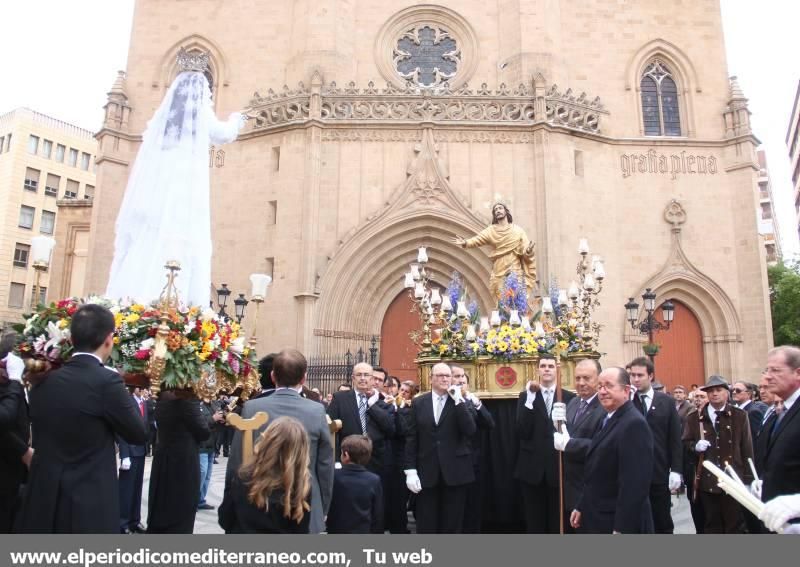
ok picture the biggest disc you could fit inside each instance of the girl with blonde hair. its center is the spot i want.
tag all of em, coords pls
(271, 493)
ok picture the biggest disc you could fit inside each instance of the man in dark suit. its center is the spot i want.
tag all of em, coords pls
(288, 373)
(131, 475)
(537, 460)
(662, 417)
(438, 459)
(584, 414)
(357, 502)
(76, 411)
(15, 433)
(363, 412)
(619, 464)
(744, 396)
(473, 508)
(778, 446)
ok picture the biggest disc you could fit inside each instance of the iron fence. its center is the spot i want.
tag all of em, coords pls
(328, 371)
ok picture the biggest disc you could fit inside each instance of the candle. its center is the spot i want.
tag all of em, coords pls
(436, 298)
(495, 319)
(470, 332)
(422, 255)
(538, 329)
(583, 246)
(547, 305)
(419, 291)
(588, 283)
(526, 323)
(41, 246)
(573, 290)
(599, 271)
(484, 324)
(259, 283)
(409, 283)
(415, 271)
(562, 297)
(446, 305)
(513, 318)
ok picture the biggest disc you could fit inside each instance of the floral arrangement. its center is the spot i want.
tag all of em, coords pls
(198, 341)
(557, 334)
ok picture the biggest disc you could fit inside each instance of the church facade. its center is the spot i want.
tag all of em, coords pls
(380, 127)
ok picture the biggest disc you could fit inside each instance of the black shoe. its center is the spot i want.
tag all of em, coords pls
(127, 531)
(205, 506)
(138, 529)
(216, 462)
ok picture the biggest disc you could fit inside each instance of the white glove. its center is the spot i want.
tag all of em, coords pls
(15, 367)
(455, 393)
(559, 412)
(376, 395)
(476, 401)
(412, 481)
(702, 445)
(755, 488)
(125, 464)
(529, 395)
(675, 481)
(780, 510)
(792, 529)
(337, 465)
(560, 440)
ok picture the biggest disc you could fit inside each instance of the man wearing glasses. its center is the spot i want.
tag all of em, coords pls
(744, 395)
(438, 458)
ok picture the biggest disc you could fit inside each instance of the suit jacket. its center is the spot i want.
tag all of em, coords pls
(357, 504)
(443, 449)
(683, 409)
(14, 435)
(76, 412)
(286, 401)
(483, 421)
(537, 461)
(380, 425)
(619, 464)
(127, 450)
(778, 454)
(755, 413)
(667, 429)
(581, 433)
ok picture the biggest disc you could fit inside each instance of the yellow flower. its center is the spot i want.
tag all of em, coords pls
(132, 318)
(245, 351)
(442, 349)
(515, 345)
(116, 340)
(203, 355)
(193, 311)
(137, 308)
(117, 319)
(208, 329)
(491, 335)
(62, 324)
(502, 347)
(490, 348)
(474, 346)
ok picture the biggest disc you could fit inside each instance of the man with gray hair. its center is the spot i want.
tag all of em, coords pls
(438, 461)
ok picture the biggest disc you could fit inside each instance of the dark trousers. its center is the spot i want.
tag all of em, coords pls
(698, 515)
(661, 505)
(541, 508)
(440, 509)
(395, 501)
(723, 514)
(9, 504)
(223, 437)
(152, 433)
(130, 494)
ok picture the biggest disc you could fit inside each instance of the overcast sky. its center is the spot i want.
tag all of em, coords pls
(60, 58)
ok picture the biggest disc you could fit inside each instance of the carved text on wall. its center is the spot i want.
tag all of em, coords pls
(673, 164)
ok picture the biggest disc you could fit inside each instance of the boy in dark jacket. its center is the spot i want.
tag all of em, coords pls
(357, 502)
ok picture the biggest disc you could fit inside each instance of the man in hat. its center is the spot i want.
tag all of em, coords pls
(719, 433)
(513, 251)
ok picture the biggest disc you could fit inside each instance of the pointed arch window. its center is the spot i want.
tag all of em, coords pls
(660, 108)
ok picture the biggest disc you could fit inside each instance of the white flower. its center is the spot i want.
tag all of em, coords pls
(237, 345)
(225, 357)
(147, 344)
(29, 324)
(38, 344)
(57, 335)
(208, 315)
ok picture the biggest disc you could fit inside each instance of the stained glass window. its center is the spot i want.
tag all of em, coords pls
(427, 56)
(660, 107)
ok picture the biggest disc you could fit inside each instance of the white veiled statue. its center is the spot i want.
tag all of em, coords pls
(165, 213)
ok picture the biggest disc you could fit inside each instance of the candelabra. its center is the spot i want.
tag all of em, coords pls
(649, 326)
(41, 247)
(434, 309)
(166, 301)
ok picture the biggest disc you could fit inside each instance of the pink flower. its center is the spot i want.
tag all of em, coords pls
(142, 354)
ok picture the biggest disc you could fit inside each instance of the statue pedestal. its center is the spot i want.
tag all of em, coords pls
(492, 378)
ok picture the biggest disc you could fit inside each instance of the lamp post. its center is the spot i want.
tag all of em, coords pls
(259, 283)
(41, 248)
(222, 299)
(649, 326)
(240, 304)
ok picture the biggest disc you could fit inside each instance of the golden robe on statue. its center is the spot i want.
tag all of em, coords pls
(510, 254)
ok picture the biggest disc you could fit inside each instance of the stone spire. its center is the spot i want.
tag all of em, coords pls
(116, 107)
(737, 114)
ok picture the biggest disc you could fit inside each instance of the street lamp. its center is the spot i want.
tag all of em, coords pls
(222, 299)
(649, 326)
(41, 248)
(240, 305)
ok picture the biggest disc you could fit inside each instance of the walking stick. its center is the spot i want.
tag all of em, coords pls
(560, 454)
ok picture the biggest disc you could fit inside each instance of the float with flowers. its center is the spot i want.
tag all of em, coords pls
(500, 351)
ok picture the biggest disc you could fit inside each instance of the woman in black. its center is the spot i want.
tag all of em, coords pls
(175, 473)
(270, 494)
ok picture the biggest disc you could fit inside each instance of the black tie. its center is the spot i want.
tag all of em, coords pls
(643, 401)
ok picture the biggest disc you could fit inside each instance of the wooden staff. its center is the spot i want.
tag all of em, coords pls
(700, 460)
(560, 454)
(247, 427)
(334, 426)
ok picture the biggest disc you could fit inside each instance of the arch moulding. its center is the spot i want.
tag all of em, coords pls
(218, 66)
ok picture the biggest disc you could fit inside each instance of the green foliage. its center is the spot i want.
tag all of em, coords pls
(784, 296)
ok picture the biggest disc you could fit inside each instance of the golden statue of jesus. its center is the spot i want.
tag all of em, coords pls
(513, 251)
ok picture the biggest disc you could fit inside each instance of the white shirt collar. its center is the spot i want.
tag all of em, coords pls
(589, 401)
(745, 404)
(74, 354)
(789, 402)
(298, 388)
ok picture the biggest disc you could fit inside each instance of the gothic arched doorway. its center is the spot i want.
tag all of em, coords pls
(680, 359)
(398, 351)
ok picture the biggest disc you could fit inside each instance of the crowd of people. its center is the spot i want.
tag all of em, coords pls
(73, 447)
